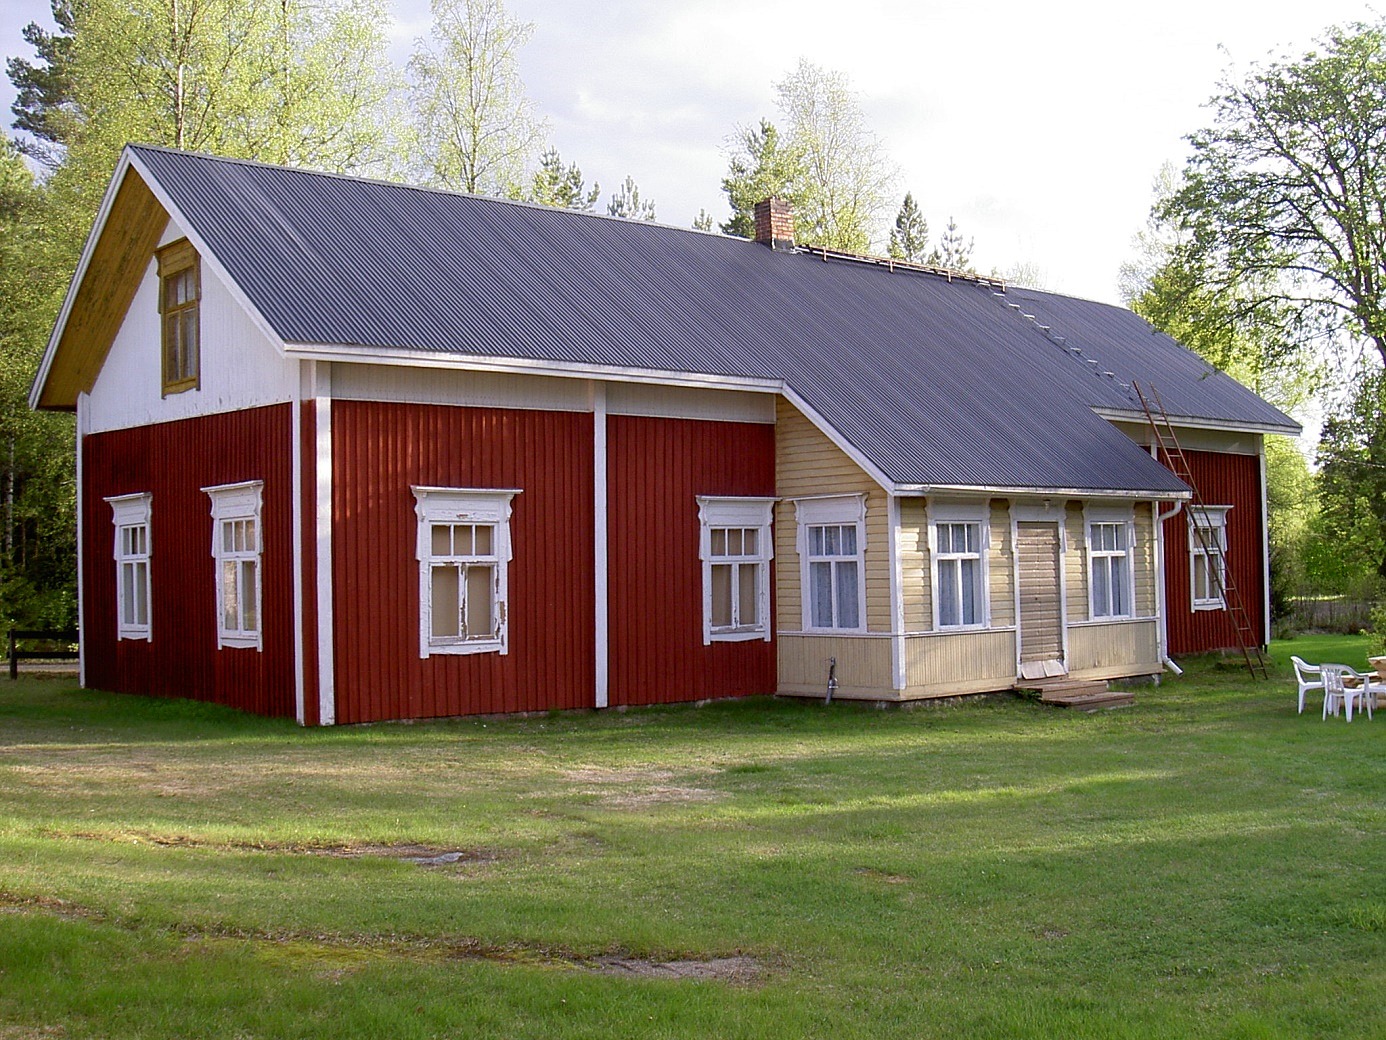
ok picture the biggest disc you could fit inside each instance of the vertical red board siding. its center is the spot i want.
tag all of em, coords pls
(172, 462)
(1223, 480)
(656, 468)
(379, 451)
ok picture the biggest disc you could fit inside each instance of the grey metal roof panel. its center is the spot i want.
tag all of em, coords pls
(1124, 343)
(931, 380)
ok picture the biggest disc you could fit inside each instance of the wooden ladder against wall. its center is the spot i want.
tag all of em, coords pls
(1221, 577)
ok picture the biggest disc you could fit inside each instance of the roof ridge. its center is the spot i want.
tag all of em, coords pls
(420, 188)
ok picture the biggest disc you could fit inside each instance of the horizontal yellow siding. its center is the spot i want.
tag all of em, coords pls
(917, 582)
(1143, 562)
(1075, 562)
(1001, 565)
(807, 463)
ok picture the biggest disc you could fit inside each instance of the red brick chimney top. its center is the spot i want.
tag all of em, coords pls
(775, 224)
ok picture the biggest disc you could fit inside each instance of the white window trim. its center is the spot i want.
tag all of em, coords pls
(830, 510)
(1213, 518)
(755, 513)
(1125, 516)
(133, 511)
(949, 512)
(468, 506)
(241, 501)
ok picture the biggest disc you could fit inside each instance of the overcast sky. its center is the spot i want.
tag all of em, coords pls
(1039, 127)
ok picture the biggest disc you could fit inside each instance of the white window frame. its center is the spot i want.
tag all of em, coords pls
(233, 504)
(130, 515)
(468, 507)
(830, 511)
(744, 514)
(1214, 520)
(949, 513)
(1123, 519)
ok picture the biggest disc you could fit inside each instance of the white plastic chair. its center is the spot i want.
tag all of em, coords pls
(1337, 693)
(1309, 676)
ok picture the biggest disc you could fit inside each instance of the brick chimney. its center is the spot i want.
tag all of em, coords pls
(775, 224)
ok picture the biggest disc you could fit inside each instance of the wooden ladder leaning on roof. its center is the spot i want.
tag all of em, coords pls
(1220, 577)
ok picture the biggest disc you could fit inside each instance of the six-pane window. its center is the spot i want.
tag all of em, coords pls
(834, 576)
(1110, 563)
(463, 549)
(236, 548)
(130, 515)
(958, 562)
(1208, 555)
(736, 549)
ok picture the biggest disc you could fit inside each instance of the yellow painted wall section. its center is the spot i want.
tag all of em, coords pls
(914, 566)
(1075, 562)
(808, 463)
(967, 662)
(1143, 561)
(863, 666)
(1001, 567)
(1107, 651)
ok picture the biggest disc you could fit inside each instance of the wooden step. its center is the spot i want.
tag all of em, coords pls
(1084, 694)
(1095, 701)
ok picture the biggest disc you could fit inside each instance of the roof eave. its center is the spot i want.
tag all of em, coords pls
(1289, 429)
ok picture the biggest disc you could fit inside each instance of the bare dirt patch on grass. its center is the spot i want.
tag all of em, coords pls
(423, 855)
(726, 969)
(637, 788)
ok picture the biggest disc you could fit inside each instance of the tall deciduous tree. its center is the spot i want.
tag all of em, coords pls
(909, 238)
(847, 175)
(475, 129)
(557, 185)
(1285, 192)
(1352, 480)
(628, 203)
(760, 166)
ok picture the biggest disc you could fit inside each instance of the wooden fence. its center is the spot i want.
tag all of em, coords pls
(60, 645)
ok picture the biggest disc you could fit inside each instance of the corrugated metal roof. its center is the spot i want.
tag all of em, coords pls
(1125, 344)
(935, 381)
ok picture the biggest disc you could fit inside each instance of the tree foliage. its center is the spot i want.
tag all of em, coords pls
(760, 167)
(1351, 482)
(1284, 196)
(628, 203)
(909, 238)
(557, 185)
(953, 251)
(45, 107)
(476, 130)
(703, 221)
(847, 177)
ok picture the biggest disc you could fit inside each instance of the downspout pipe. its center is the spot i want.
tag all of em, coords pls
(1160, 589)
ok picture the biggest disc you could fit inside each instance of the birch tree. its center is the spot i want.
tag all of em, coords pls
(474, 128)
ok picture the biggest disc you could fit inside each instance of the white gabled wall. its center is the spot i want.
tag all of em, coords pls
(240, 366)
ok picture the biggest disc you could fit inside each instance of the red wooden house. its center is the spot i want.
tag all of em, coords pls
(352, 451)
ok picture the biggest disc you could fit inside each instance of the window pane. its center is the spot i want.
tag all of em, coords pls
(252, 536)
(719, 541)
(971, 591)
(721, 595)
(1121, 587)
(749, 594)
(973, 533)
(948, 607)
(1200, 576)
(849, 540)
(249, 622)
(140, 573)
(127, 594)
(821, 591)
(750, 538)
(815, 541)
(832, 541)
(480, 617)
(446, 600)
(441, 540)
(483, 539)
(848, 615)
(230, 616)
(1101, 586)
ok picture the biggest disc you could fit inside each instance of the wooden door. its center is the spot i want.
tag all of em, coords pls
(1041, 600)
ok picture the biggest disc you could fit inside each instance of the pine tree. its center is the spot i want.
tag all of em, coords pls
(555, 185)
(703, 221)
(44, 107)
(952, 252)
(761, 167)
(910, 237)
(628, 203)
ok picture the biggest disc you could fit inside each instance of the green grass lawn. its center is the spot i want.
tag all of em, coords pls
(1206, 863)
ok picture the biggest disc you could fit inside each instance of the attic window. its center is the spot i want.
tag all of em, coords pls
(180, 292)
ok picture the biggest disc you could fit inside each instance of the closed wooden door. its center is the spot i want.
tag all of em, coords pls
(1041, 601)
